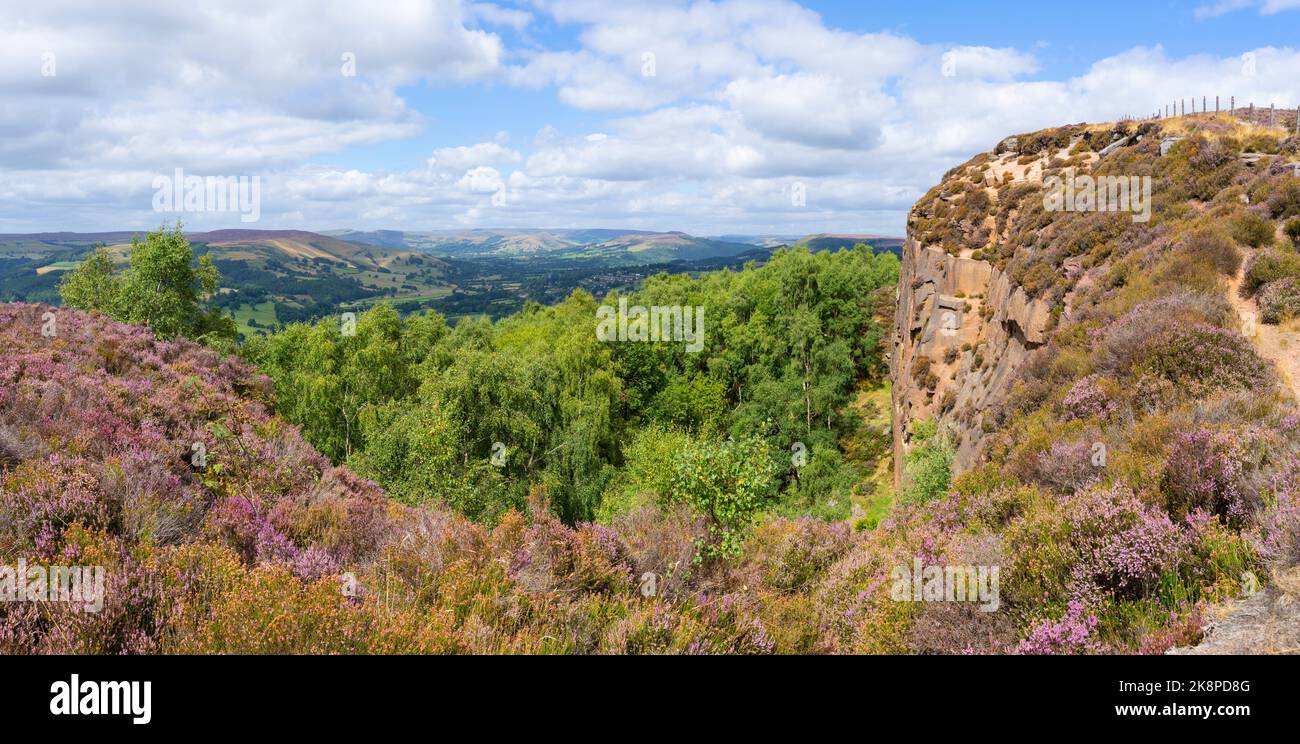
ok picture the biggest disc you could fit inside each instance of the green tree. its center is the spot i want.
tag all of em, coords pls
(729, 483)
(92, 285)
(161, 288)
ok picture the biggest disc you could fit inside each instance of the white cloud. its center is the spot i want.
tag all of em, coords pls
(463, 158)
(697, 116)
(1266, 7)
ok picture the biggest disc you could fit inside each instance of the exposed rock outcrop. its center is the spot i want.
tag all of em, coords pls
(969, 326)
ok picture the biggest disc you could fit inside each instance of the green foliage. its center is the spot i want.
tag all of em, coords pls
(928, 466)
(728, 482)
(1250, 229)
(423, 409)
(92, 285)
(161, 288)
(1270, 266)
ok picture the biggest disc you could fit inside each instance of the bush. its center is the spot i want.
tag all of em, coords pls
(1214, 248)
(1206, 471)
(1087, 399)
(727, 483)
(1250, 229)
(1279, 301)
(1270, 266)
(1292, 230)
(928, 465)
(1206, 356)
(1098, 541)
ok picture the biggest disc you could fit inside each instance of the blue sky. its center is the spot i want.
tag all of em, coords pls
(699, 116)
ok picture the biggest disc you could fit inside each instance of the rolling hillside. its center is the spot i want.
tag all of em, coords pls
(269, 277)
(619, 247)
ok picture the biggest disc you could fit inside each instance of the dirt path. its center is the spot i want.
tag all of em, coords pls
(1278, 344)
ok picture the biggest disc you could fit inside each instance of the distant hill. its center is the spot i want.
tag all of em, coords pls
(827, 242)
(821, 241)
(619, 247)
(273, 277)
(269, 277)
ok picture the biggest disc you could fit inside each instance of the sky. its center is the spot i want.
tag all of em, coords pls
(731, 117)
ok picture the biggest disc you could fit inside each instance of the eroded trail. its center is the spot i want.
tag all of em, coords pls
(1278, 344)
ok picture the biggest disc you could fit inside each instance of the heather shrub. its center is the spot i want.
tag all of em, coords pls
(959, 628)
(1068, 465)
(855, 597)
(1270, 266)
(789, 555)
(1126, 340)
(1250, 229)
(1206, 356)
(1280, 193)
(1280, 524)
(1214, 248)
(1090, 397)
(1279, 300)
(53, 493)
(1212, 570)
(1206, 470)
(662, 541)
(1073, 633)
(267, 610)
(1096, 542)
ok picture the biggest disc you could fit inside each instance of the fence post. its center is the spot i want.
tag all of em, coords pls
(1234, 104)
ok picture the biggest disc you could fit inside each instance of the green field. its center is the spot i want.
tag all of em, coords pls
(263, 313)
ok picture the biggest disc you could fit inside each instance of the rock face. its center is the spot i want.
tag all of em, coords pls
(970, 327)
(962, 326)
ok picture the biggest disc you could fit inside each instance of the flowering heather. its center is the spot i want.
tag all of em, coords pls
(1068, 465)
(1207, 356)
(1206, 470)
(1280, 529)
(1072, 634)
(1279, 300)
(1087, 399)
(1123, 545)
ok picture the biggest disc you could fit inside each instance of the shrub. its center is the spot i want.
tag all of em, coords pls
(1292, 230)
(1071, 634)
(1279, 300)
(1250, 229)
(1087, 399)
(1205, 470)
(928, 465)
(1068, 465)
(1270, 266)
(727, 483)
(1214, 248)
(1280, 526)
(1206, 356)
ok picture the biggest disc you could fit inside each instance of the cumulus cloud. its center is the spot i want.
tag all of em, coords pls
(699, 116)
